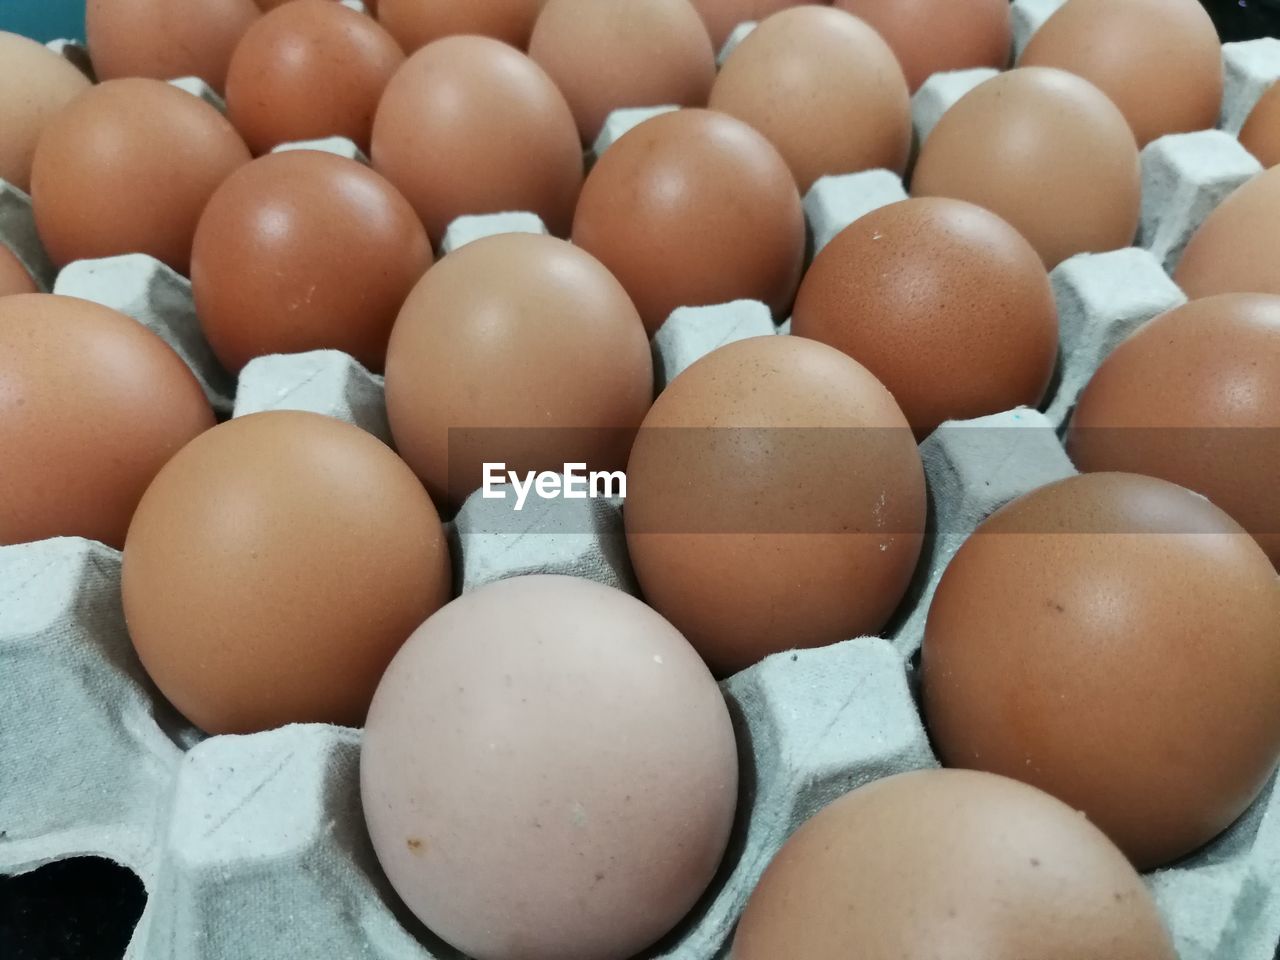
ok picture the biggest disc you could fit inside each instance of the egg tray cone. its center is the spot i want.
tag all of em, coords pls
(255, 846)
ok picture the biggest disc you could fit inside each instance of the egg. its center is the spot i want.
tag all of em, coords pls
(1237, 247)
(305, 250)
(1048, 152)
(824, 88)
(517, 349)
(1118, 650)
(273, 569)
(945, 303)
(415, 23)
(1160, 61)
(469, 125)
(666, 210)
(164, 39)
(721, 16)
(775, 500)
(950, 863)
(1261, 132)
(934, 36)
(14, 277)
(35, 83)
(605, 54)
(548, 772)
(1193, 397)
(308, 70)
(92, 405)
(127, 167)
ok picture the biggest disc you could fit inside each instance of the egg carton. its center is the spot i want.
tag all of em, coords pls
(233, 834)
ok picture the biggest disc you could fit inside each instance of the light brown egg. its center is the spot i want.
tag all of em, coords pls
(549, 772)
(1194, 397)
(92, 405)
(721, 16)
(932, 36)
(1126, 47)
(775, 500)
(468, 125)
(1111, 639)
(307, 70)
(274, 568)
(35, 83)
(164, 39)
(519, 349)
(824, 88)
(128, 168)
(302, 251)
(665, 209)
(1261, 132)
(370, 5)
(605, 54)
(415, 23)
(14, 277)
(950, 863)
(1237, 248)
(945, 303)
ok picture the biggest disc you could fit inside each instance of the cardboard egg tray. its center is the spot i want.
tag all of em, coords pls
(255, 846)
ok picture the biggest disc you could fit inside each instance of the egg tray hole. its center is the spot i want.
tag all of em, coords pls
(84, 908)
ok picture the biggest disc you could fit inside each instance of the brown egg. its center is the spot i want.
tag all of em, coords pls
(92, 405)
(308, 70)
(721, 16)
(35, 83)
(469, 125)
(1237, 248)
(666, 210)
(932, 36)
(274, 568)
(519, 349)
(14, 277)
(1045, 150)
(824, 88)
(1193, 397)
(950, 863)
(164, 39)
(1111, 639)
(775, 500)
(302, 251)
(945, 303)
(549, 772)
(1261, 132)
(128, 168)
(1125, 48)
(370, 5)
(605, 54)
(415, 23)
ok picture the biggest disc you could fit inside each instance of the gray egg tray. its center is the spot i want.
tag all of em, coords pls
(255, 846)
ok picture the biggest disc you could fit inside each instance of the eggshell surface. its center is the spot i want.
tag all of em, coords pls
(35, 83)
(274, 568)
(548, 772)
(1261, 132)
(416, 23)
(1046, 151)
(1111, 639)
(721, 16)
(92, 405)
(14, 277)
(1237, 248)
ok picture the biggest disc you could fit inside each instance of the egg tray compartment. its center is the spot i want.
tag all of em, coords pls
(255, 846)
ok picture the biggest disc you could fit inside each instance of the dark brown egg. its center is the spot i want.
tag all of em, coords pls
(35, 83)
(468, 125)
(14, 277)
(1045, 150)
(1194, 397)
(931, 36)
(1125, 49)
(302, 251)
(775, 499)
(949, 863)
(274, 568)
(307, 70)
(691, 208)
(416, 23)
(165, 39)
(1261, 132)
(824, 88)
(945, 303)
(1111, 639)
(1237, 248)
(721, 16)
(128, 168)
(92, 405)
